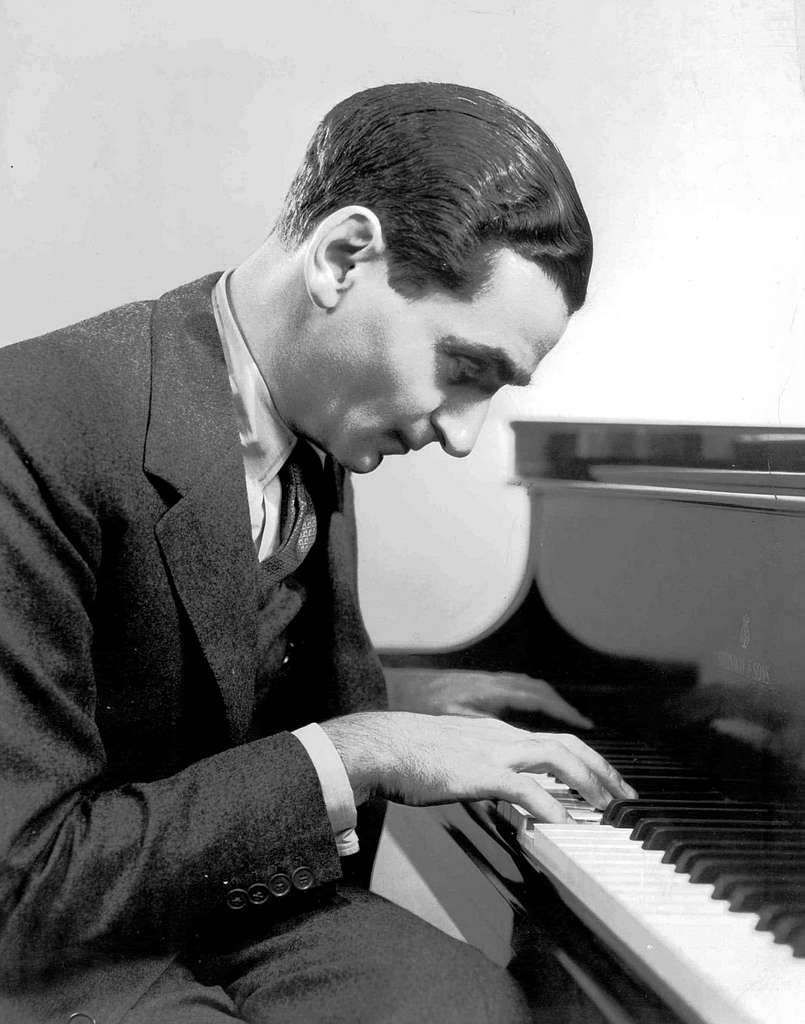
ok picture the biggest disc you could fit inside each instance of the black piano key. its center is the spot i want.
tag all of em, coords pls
(621, 812)
(679, 851)
(647, 754)
(769, 915)
(676, 788)
(627, 769)
(711, 868)
(654, 833)
(646, 761)
(674, 840)
(686, 797)
(627, 813)
(789, 929)
(763, 874)
(752, 897)
(617, 745)
(662, 775)
(797, 942)
(747, 892)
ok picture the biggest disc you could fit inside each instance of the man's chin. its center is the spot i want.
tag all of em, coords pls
(364, 464)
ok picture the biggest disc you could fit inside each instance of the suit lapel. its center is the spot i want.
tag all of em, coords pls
(205, 537)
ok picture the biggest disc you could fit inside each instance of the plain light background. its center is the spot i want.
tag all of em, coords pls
(145, 145)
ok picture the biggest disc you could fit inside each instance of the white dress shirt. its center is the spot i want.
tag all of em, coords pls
(266, 443)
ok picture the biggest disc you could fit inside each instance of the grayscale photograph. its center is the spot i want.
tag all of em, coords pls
(402, 512)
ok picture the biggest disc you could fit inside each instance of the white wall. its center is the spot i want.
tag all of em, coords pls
(147, 144)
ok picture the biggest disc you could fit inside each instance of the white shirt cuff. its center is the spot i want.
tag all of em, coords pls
(335, 786)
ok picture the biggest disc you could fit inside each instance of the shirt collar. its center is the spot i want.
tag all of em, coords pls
(265, 439)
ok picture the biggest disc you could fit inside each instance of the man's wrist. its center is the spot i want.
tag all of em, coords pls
(364, 743)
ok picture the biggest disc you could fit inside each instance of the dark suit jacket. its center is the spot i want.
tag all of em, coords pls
(131, 802)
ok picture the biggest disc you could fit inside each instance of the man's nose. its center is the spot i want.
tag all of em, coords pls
(457, 428)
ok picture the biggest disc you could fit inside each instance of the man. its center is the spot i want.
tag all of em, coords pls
(178, 592)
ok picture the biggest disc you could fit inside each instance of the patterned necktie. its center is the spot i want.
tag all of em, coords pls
(298, 523)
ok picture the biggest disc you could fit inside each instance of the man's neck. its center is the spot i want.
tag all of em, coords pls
(268, 300)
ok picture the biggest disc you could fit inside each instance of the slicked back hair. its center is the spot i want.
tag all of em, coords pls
(453, 174)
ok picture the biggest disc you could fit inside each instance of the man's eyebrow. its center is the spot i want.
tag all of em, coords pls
(504, 367)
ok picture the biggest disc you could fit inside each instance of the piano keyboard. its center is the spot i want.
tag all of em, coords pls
(673, 894)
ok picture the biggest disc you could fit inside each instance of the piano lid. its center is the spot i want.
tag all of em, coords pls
(681, 544)
(662, 459)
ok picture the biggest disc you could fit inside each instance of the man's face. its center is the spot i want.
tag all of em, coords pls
(393, 374)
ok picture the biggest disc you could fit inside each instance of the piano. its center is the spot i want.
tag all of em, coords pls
(668, 605)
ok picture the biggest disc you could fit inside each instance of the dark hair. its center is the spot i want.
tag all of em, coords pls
(453, 174)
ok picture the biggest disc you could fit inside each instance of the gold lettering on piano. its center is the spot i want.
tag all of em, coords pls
(748, 668)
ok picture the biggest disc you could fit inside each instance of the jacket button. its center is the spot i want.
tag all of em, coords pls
(303, 878)
(258, 893)
(236, 899)
(80, 1018)
(279, 884)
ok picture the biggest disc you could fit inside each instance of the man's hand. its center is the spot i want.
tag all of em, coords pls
(429, 759)
(439, 692)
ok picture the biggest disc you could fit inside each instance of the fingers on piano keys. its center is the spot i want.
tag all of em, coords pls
(702, 892)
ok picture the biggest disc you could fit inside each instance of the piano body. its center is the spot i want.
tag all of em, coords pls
(668, 604)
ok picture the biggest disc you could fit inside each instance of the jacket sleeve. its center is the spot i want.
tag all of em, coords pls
(88, 865)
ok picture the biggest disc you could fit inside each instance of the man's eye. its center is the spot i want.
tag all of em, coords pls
(465, 371)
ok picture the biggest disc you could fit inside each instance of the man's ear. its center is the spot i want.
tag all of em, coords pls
(344, 239)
